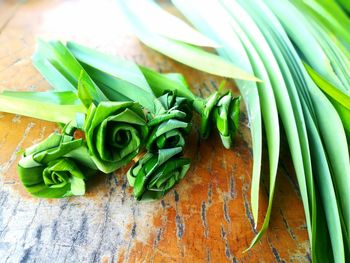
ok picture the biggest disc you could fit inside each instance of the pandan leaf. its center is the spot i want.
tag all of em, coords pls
(54, 97)
(155, 174)
(184, 53)
(119, 77)
(63, 68)
(102, 67)
(151, 14)
(340, 165)
(248, 90)
(44, 110)
(289, 107)
(169, 124)
(47, 172)
(305, 38)
(233, 50)
(317, 106)
(345, 5)
(115, 132)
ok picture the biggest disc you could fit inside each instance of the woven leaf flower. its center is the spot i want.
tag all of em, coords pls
(156, 173)
(115, 132)
(56, 167)
(170, 123)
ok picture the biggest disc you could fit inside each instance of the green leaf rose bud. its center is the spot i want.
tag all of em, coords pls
(221, 110)
(57, 167)
(170, 123)
(226, 116)
(115, 132)
(156, 173)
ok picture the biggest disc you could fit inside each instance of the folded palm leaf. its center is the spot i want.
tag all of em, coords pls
(57, 167)
(170, 123)
(156, 173)
(115, 132)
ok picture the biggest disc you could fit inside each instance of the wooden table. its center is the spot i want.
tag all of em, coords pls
(205, 218)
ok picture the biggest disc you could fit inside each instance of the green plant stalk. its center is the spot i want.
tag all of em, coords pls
(179, 51)
(181, 31)
(233, 50)
(318, 105)
(284, 104)
(297, 28)
(339, 100)
(41, 110)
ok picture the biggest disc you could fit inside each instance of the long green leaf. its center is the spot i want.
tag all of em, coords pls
(134, 82)
(241, 23)
(54, 97)
(329, 89)
(341, 165)
(150, 13)
(289, 107)
(306, 39)
(328, 195)
(184, 53)
(44, 111)
(315, 105)
(59, 67)
(123, 76)
(332, 16)
(340, 101)
(161, 82)
(284, 104)
(345, 4)
(325, 34)
(233, 50)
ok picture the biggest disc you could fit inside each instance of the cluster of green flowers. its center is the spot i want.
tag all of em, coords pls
(114, 133)
(122, 111)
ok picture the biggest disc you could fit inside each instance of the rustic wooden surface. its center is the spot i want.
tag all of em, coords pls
(206, 218)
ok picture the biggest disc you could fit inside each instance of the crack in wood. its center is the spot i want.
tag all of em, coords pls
(228, 252)
(204, 219)
(226, 211)
(247, 209)
(293, 182)
(289, 229)
(178, 219)
(232, 188)
(275, 252)
(26, 255)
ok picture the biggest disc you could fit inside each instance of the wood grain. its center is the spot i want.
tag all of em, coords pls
(206, 218)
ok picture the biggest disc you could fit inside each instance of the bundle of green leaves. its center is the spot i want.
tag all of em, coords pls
(300, 50)
(121, 108)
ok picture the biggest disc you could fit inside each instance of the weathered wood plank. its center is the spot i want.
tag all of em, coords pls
(206, 218)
